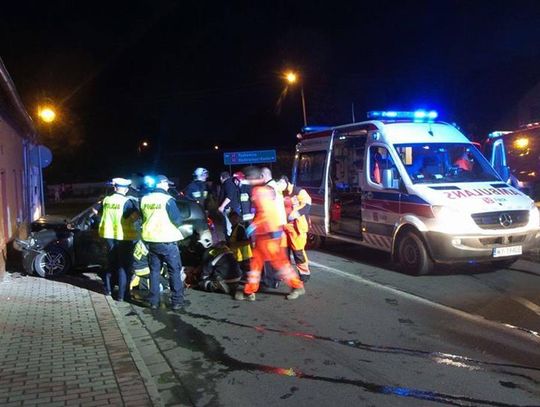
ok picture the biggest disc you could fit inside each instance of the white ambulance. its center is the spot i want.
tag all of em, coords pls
(407, 184)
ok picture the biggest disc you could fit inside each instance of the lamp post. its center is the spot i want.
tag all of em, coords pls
(47, 114)
(292, 78)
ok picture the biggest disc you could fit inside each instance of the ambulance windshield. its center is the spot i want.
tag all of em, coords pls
(438, 163)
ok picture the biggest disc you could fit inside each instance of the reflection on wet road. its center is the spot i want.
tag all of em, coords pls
(189, 337)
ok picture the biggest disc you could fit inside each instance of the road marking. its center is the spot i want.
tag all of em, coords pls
(526, 333)
(528, 304)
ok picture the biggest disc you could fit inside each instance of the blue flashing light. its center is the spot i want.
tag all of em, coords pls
(422, 115)
(432, 115)
(149, 181)
(310, 129)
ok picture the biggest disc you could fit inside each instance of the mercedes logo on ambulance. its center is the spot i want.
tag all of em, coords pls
(505, 220)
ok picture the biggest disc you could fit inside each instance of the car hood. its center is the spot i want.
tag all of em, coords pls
(50, 222)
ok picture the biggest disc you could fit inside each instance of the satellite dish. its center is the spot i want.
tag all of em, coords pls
(41, 156)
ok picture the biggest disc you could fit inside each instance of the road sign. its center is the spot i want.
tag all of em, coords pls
(249, 157)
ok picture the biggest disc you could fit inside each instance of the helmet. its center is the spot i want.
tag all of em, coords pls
(239, 175)
(120, 182)
(200, 172)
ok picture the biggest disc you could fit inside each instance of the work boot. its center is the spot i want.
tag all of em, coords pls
(240, 296)
(222, 285)
(295, 293)
(304, 277)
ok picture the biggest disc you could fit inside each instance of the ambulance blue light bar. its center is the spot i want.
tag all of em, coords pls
(396, 115)
(310, 129)
(498, 133)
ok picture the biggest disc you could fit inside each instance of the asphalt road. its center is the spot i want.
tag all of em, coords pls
(364, 335)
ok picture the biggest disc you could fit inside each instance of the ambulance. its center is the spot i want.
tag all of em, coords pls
(415, 187)
(515, 155)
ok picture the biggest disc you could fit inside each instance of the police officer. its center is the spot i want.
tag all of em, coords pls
(161, 219)
(119, 214)
(197, 190)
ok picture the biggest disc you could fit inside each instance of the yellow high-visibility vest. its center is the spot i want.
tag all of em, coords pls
(157, 227)
(113, 225)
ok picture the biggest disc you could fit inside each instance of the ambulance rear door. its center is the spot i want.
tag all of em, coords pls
(310, 172)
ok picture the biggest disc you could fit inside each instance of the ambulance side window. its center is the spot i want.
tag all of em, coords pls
(311, 169)
(380, 160)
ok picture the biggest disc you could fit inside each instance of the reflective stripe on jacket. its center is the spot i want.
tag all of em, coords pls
(157, 226)
(113, 225)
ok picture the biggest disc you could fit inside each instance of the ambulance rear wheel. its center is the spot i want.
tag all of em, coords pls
(314, 242)
(412, 256)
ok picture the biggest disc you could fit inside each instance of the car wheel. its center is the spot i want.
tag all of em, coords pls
(504, 264)
(52, 262)
(413, 257)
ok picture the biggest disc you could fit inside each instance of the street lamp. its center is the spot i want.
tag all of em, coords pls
(292, 78)
(143, 145)
(46, 114)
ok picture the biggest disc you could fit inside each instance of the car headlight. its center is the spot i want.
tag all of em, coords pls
(449, 220)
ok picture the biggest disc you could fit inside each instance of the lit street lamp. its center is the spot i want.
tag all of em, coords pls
(292, 78)
(143, 145)
(46, 114)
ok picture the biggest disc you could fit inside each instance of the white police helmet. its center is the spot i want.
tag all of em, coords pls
(121, 182)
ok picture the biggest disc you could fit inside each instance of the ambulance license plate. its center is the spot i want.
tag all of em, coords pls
(507, 251)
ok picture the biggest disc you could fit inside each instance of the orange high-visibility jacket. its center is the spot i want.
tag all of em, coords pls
(297, 206)
(267, 219)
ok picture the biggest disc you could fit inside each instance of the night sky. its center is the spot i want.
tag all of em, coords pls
(189, 75)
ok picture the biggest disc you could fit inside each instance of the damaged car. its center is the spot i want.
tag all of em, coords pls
(57, 245)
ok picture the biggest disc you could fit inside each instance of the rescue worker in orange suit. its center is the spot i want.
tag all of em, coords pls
(464, 161)
(297, 207)
(267, 232)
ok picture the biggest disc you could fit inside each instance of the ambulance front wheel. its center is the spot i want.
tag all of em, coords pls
(412, 255)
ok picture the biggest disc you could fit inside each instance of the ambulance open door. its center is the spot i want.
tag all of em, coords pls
(344, 183)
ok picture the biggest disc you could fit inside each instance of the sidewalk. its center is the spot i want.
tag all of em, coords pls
(65, 345)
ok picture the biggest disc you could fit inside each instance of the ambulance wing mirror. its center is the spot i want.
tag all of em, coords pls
(388, 181)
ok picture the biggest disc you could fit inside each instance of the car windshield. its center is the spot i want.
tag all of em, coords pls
(438, 163)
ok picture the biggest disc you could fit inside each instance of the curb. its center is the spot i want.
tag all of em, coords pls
(136, 356)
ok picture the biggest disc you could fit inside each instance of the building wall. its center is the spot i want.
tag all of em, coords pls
(14, 209)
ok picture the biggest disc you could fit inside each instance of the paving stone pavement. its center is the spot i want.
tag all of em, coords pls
(62, 345)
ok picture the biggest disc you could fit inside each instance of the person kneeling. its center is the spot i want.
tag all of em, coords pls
(220, 271)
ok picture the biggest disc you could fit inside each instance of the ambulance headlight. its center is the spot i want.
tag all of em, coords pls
(534, 215)
(451, 220)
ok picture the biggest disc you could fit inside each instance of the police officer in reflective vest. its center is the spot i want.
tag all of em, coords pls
(197, 190)
(119, 214)
(161, 219)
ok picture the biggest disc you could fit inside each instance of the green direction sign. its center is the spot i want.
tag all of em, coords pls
(249, 157)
